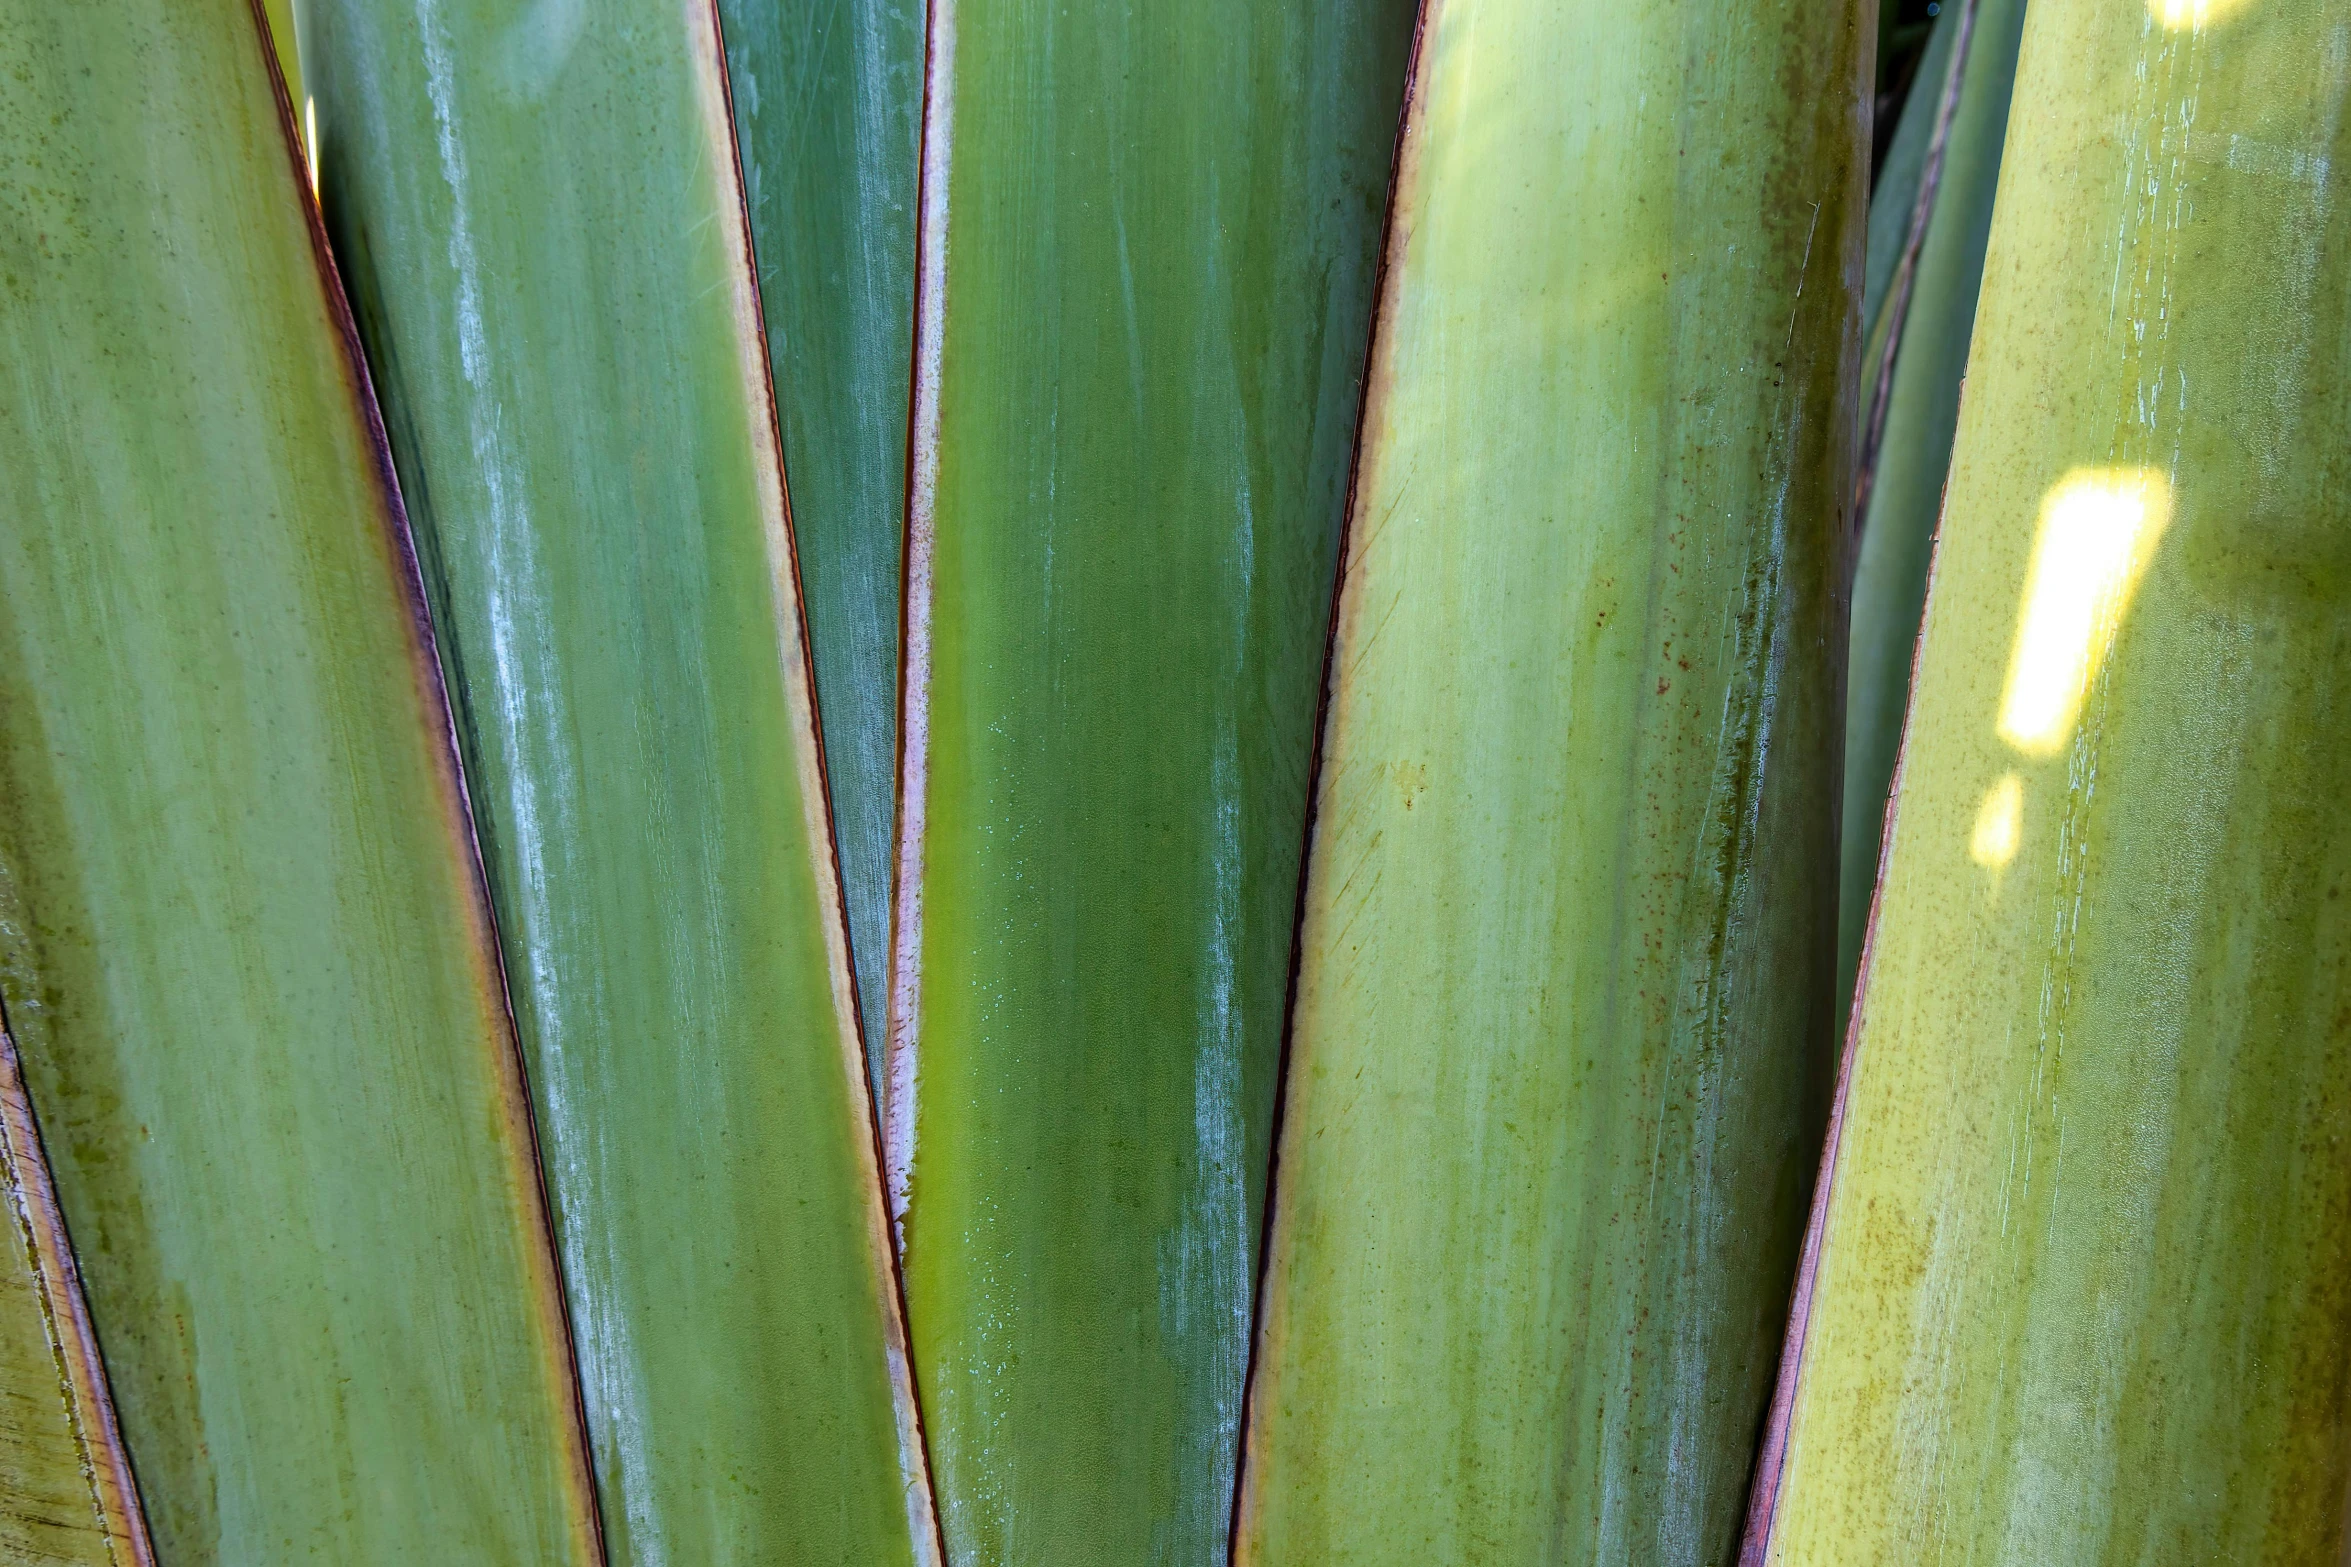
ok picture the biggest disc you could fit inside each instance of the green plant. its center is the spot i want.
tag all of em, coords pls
(1003, 782)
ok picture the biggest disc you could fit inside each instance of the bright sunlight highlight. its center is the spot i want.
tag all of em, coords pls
(310, 141)
(1999, 824)
(2182, 15)
(2099, 527)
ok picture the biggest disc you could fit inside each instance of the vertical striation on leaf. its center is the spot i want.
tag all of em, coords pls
(828, 106)
(243, 948)
(2083, 1278)
(1561, 1043)
(541, 214)
(1148, 235)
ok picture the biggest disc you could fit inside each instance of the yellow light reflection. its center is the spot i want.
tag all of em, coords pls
(2099, 528)
(310, 141)
(1999, 824)
(2182, 15)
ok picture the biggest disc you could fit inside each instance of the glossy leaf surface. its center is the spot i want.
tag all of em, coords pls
(2084, 1290)
(1149, 238)
(1561, 1052)
(66, 1493)
(828, 122)
(539, 214)
(1905, 492)
(242, 945)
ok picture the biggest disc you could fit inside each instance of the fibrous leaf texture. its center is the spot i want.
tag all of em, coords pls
(540, 217)
(2080, 1291)
(1561, 1052)
(828, 118)
(1148, 242)
(243, 949)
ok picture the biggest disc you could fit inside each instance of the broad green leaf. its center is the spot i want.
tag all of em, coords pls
(828, 121)
(1561, 1052)
(539, 215)
(243, 948)
(2083, 1290)
(1905, 486)
(66, 1493)
(1149, 238)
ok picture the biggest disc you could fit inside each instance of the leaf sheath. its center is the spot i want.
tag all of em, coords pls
(1561, 1048)
(2082, 1284)
(540, 217)
(243, 948)
(1148, 240)
(828, 110)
